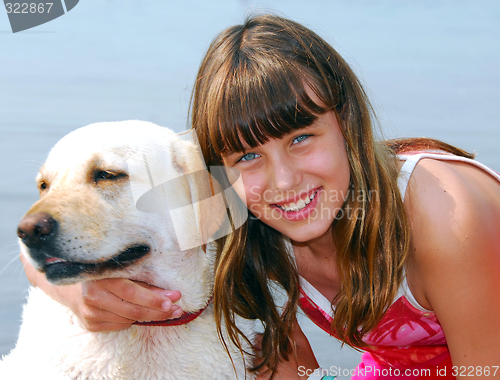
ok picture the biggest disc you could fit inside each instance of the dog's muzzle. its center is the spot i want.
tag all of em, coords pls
(39, 233)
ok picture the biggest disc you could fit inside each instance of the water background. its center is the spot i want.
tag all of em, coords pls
(431, 68)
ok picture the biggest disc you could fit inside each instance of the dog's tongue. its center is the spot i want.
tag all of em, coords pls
(52, 259)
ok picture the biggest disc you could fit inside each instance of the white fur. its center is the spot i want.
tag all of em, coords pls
(95, 224)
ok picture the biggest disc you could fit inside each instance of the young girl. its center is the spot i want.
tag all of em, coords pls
(396, 255)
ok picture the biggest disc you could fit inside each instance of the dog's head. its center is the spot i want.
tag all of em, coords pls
(125, 199)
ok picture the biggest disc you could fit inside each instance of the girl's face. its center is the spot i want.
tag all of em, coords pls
(296, 184)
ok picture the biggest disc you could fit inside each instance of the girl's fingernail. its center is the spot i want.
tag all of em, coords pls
(167, 293)
(166, 305)
(177, 313)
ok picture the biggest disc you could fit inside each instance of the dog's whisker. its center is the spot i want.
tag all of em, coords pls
(32, 164)
(16, 273)
(117, 262)
(9, 246)
(40, 163)
(10, 262)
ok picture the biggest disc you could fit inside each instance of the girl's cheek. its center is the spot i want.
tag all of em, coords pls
(236, 180)
(240, 191)
(254, 194)
(248, 188)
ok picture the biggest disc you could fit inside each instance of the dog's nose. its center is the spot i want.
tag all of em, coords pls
(35, 229)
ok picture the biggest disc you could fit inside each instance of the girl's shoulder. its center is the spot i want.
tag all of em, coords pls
(454, 213)
(454, 262)
(444, 195)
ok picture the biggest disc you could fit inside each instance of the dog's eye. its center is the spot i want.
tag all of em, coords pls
(101, 175)
(42, 186)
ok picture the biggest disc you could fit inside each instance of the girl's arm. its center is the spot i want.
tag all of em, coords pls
(110, 304)
(454, 266)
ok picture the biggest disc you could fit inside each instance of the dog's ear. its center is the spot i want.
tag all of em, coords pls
(207, 204)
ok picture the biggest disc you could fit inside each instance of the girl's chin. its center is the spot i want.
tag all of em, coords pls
(306, 233)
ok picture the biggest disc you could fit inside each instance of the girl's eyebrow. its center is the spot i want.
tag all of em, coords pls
(230, 156)
(227, 152)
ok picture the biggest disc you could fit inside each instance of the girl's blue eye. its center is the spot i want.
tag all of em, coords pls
(300, 138)
(248, 157)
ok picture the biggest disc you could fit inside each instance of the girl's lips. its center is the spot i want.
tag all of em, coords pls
(303, 196)
(302, 213)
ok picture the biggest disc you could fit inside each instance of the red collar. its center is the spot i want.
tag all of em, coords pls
(182, 320)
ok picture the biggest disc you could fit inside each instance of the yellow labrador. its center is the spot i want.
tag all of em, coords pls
(125, 199)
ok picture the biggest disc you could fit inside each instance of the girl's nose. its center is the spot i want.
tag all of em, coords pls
(286, 175)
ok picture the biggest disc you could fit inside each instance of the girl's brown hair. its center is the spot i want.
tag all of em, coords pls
(251, 87)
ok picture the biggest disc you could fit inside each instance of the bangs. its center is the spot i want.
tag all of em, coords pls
(260, 100)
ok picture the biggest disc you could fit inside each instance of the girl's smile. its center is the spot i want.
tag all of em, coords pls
(301, 208)
(297, 183)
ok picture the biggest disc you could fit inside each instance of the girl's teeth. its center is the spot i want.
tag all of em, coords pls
(299, 205)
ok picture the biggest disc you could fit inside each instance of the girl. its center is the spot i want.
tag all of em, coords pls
(395, 255)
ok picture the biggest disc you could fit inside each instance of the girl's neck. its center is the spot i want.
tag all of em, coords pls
(322, 247)
(316, 262)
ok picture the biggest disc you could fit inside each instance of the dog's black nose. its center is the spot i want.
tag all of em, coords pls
(36, 229)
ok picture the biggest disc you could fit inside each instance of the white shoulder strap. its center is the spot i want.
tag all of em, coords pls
(412, 160)
(406, 170)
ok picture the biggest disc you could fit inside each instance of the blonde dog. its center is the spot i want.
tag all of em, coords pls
(124, 200)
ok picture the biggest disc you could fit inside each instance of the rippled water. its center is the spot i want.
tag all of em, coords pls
(430, 68)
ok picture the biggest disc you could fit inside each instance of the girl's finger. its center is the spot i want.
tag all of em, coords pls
(142, 294)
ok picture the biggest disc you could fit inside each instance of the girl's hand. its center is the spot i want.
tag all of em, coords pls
(109, 304)
(114, 304)
(301, 361)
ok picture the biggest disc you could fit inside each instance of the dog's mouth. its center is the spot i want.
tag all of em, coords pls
(56, 268)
